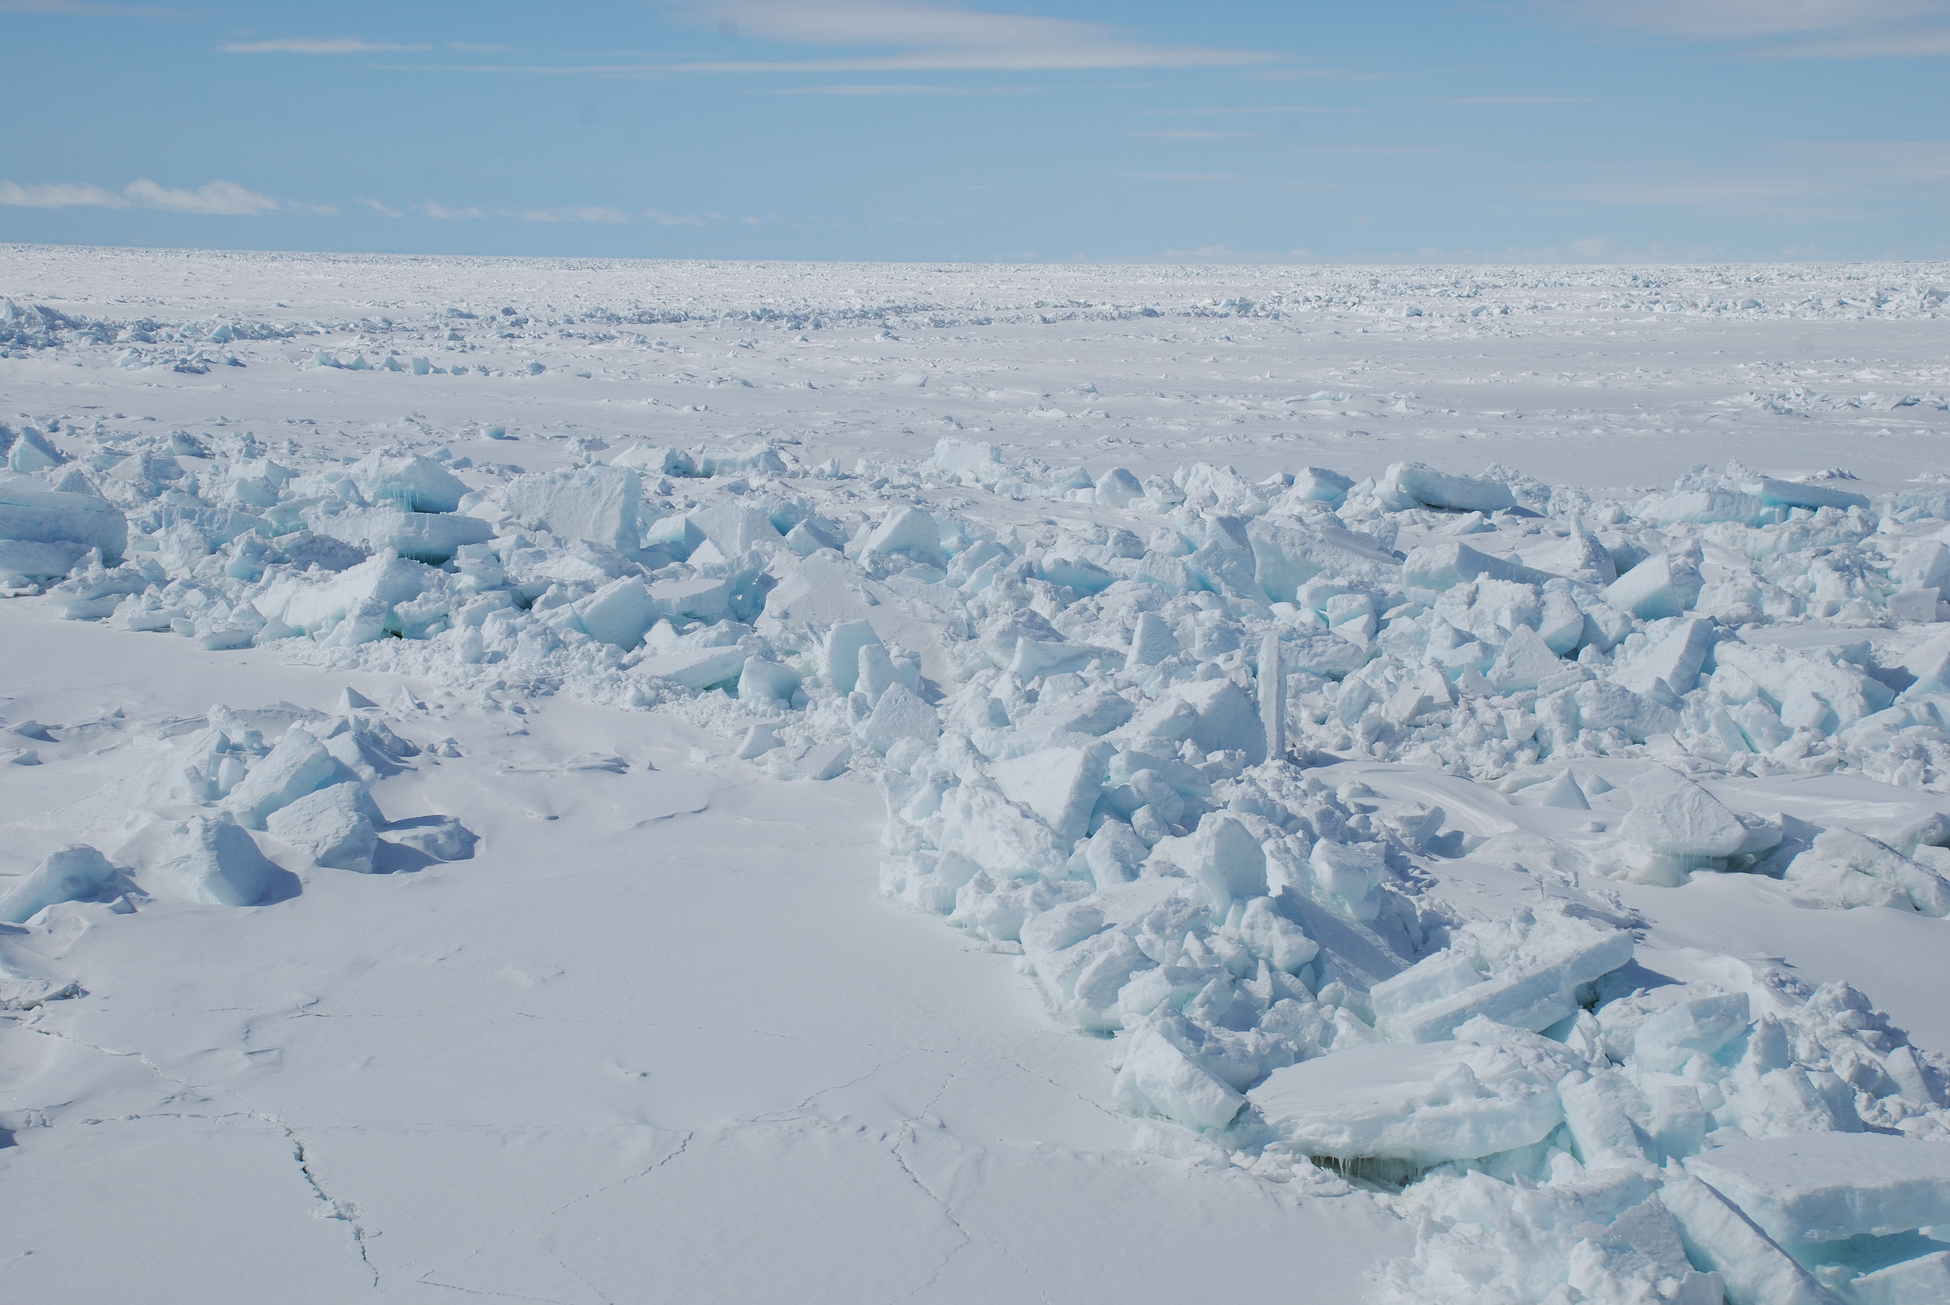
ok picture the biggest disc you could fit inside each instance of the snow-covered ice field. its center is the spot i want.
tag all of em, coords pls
(611, 782)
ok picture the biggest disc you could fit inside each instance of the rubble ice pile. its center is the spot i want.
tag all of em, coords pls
(1097, 705)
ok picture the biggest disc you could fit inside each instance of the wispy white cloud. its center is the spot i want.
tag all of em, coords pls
(1514, 99)
(384, 210)
(1191, 135)
(444, 212)
(942, 37)
(221, 198)
(58, 194)
(315, 45)
(1223, 109)
(888, 88)
(1814, 181)
(1191, 176)
(594, 213)
(1780, 29)
(216, 198)
(469, 47)
(672, 219)
(86, 9)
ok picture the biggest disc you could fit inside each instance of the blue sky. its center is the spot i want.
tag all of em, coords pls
(1564, 130)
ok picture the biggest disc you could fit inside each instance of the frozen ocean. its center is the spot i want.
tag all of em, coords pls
(602, 781)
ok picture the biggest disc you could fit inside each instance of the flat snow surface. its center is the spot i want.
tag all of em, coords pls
(738, 618)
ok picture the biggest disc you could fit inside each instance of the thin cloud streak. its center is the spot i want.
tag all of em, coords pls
(905, 89)
(87, 9)
(1252, 108)
(216, 198)
(1515, 99)
(58, 194)
(941, 37)
(314, 45)
(1779, 29)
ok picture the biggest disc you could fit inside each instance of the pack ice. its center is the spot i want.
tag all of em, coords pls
(1118, 721)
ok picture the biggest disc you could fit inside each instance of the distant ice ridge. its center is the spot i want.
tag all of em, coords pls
(1093, 703)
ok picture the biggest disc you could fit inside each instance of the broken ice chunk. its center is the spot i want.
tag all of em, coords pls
(1828, 1187)
(1425, 484)
(1676, 826)
(298, 765)
(1720, 1238)
(1422, 1103)
(216, 862)
(75, 873)
(334, 826)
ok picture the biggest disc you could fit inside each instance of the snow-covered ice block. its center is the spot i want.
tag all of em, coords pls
(1789, 493)
(767, 680)
(298, 765)
(977, 457)
(1845, 869)
(1425, 484)
(900, 714)
(1693, 1026)
(1321, 485)
(1350, 874)
(1828, 1187)
(1675, 820)
(1525, 662)
(600, 504)
(74, 873)
(423, 536)
(1533, 989)
(37, 516)
(334, 826)
(1924, 1280)
(215, 862)
(692, 598)
(696, 668)
(36, 561)
(618, 613)
(1488, 1091)
(414, 483)
(1718, 1237)
(1702, 507)
(1225, 859)
(656, 460)
(1603, 705)
(1657, 587)
(1598, 1108)
(1061, 785)
(843, 644)
(1433, 978)
(1676, 659)
(1450, 563)
(1287, 554)
(736, 528)
(908, 531)
(753, 460)
(1164, 1074)
(313, 605)
(1226, 718)
(441, 837)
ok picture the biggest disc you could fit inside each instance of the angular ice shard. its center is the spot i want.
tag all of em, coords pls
(1828, 1187)
(1675, 825)
(1717, 1236)
(298, 765)
(215, 862)
(1440, 489)
(75, 873)
(1493, 1090)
